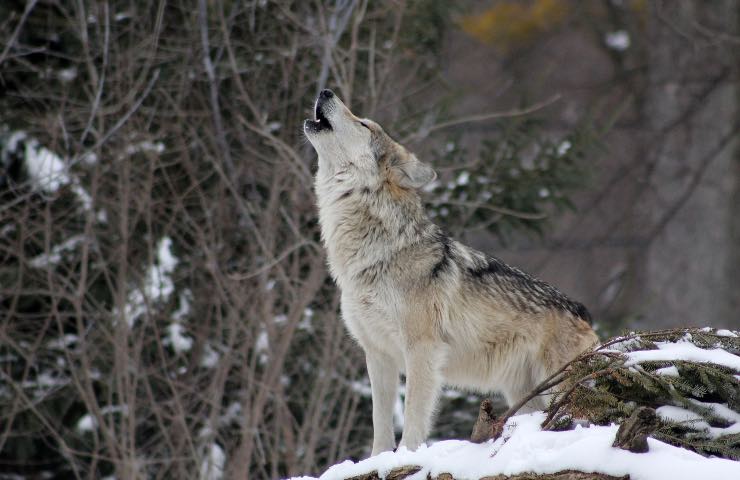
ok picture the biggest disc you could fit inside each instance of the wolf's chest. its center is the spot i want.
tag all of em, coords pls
(373, 320)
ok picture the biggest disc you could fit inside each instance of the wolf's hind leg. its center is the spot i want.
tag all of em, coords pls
(423, 384)
(537, 403)
(383, 374)
(520, 385)
(531, 375)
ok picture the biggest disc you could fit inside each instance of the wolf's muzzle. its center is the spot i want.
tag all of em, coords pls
(322, 109)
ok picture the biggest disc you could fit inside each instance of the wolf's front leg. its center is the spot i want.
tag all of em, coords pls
(423, 383)
(383, 374)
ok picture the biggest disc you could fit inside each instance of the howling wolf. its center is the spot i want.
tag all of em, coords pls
(418, 301)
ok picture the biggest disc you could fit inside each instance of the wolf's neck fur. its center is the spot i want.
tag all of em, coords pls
(364, 225)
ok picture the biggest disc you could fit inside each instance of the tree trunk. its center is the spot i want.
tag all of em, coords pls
(691, 271)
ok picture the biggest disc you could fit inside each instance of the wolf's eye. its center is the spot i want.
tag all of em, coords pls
(364, 125)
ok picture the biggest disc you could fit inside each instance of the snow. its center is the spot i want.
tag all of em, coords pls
(89, 158)
(63, 342)
(695, 421)
(684, 351)
(361, 387)
(733, 429)
(726, 333)
(563, 148)
(166, 260)
(87, 423)
(262, 343)
(177, 339)
(681, 415)
(12, 143)
(671, 371)
(524, 447)
(84, 198)
(214, 460)
(44, 384)
(719, 410)
(619, 40)
(55, 256)
(46, 380)
(210, 357)
(145, 146)
(66, 75)
(158, 283)
(45, 168)
(47, 171)
(464, 178)
(184, 309)
(306, 321)
(625, 344)
(233, 414)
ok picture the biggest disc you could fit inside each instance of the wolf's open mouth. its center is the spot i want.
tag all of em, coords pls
(324, 106)
(321, 121)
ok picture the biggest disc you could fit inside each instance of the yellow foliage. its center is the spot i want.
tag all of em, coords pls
(640, 9)
(513, 22)
(639, 6)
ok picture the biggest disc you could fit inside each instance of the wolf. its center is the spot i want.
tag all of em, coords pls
(417, 301)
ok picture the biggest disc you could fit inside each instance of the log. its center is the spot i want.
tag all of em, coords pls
(633, 432)
(396, 474)
(484, 426)
(403, 472)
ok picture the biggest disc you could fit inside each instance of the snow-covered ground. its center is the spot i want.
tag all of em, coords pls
(524, 447)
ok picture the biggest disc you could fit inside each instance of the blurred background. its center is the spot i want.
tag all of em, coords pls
(165, 309)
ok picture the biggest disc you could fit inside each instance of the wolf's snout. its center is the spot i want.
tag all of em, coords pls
(323, 105)
(322, 110)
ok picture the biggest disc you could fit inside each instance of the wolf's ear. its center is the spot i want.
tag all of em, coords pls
(411, 173)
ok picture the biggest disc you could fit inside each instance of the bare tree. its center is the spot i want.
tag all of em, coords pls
(165, 307)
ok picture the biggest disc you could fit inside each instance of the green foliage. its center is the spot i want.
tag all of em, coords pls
(427, 25)
(521, 179)
(615, 389)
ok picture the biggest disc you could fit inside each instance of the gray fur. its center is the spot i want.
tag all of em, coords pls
(418, 301)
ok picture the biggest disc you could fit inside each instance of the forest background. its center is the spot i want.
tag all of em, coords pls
(165, 308)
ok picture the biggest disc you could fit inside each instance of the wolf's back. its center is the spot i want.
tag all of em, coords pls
(520, 291)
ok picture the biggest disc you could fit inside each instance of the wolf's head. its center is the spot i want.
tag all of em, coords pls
(361, 148)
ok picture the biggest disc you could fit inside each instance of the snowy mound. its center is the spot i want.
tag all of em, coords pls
(688, 378)
(524, 447)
